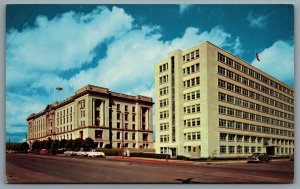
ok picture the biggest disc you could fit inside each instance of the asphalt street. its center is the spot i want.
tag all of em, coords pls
(26, 168)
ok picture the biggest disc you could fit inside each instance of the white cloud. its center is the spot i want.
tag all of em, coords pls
(257, 21)
(18, 107)
(63, 43)
(278, 61)
(183, 8)
(36, 57)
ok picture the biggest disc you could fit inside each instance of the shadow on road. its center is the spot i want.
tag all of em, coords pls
(187, 181)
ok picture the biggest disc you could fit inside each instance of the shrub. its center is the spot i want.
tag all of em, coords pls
(150, 155)
(76, 144)
(69, 145)
(88, 143)
(111, 152)
(108, 146)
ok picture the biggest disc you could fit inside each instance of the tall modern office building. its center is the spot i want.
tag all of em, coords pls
(211, 103)
(107, 117)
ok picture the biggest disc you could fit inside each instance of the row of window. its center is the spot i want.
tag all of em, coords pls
(164, 103)
(191, 56)
(254, 139)
(126, 126)
(250, 94)
(222, 58)
(239, 149)
(254, 117)
(164, 126)
(191, 82)
(163, 79)
(194, 122)
(126, 117)
(64, 129)
(164, 115)
(39, 122)
(191, 69)
(192, 136)
(230, 124)
(125, 108)
(191, 95)
(163, 68)
(65, 112)
(253, 84)
(163, 91)
(253, 106)
(192, 109)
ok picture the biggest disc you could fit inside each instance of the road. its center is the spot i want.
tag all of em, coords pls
(25, 168)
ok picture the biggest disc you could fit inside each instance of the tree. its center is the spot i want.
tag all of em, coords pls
(88, 143)
(54, 145)
(69, 145)
(42, 144)
(62, 143)
(24, 147)
(36, 145)
(77, 144)
(48, 143)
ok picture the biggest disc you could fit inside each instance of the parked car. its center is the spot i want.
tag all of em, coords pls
(259, 158)
(70, 153)
(95, 153)
(81, 152)
(44, 152)
(292, 157)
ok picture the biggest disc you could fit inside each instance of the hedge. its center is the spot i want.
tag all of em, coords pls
(150, 155)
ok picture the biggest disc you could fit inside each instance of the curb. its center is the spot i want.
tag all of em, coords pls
(151, 160)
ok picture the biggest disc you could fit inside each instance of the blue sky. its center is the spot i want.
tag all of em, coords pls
(116, 46)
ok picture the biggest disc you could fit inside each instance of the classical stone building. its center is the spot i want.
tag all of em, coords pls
(107, 117)
(211, 103)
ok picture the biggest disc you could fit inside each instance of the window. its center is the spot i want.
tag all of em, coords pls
(222, 123)
(223, 136)
(118, 135)
(98, 133)
(133, 136)
(231, 149)
(223, 149)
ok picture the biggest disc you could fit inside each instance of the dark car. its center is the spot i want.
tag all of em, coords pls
(259, 158)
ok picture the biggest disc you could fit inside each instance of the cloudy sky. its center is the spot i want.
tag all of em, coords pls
(116, 46)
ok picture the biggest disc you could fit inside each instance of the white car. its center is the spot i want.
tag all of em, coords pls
(94, 153)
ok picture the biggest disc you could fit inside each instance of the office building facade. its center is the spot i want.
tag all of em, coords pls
(107, 117)
(210, 103)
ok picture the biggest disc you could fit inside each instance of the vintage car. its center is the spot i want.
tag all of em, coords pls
(44, 152)
(95, 153)
(259, 158)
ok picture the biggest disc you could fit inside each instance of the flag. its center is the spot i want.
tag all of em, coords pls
(257, 57)
(59, 88)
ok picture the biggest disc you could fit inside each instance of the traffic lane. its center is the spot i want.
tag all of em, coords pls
(89, 170)
(83, 170)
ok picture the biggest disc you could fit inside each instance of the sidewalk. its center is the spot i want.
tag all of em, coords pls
(152, 160)
(180, 162)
